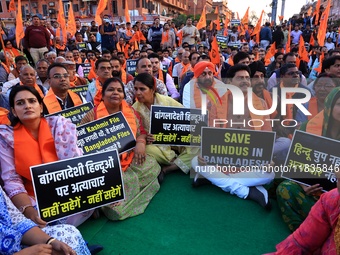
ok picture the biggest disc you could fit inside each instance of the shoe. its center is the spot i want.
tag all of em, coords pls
(94, 249)
(259, 195)
(199, 180)
(160, 177)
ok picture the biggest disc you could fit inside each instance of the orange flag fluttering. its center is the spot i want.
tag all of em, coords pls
(19, 27)
(218, 26)
(144, 17)
(303, 54)
(288, 39)
(323, 25)
(312, 41)
(226, 24)
(257, 29)
(245, 19)
(270, 53)
(202, 23)
(71, 24)
(11, 6)
(214, 52)
(319, 68)
(280, 18)
(216, 10)
(317, 10)
(61, 20)
(127, 14)
(101, 7)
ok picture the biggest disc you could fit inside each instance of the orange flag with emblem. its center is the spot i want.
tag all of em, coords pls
(270, 53)
(127, 14)
(11, 6)
(71, 24)
(303, 54)
(226, 24)
(257, 29)
(100, 9)
(245, 20)
(218, 26)
(61, 20)
(323, 25)
(202, 23)
(214, 52)
(19, 27)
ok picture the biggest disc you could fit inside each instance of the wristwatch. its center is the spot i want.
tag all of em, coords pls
(24, 207)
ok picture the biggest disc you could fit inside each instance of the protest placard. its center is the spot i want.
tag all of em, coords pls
(176, 125)
(312, 160)
(111, 132)
(75, 114)
(237, 147)
(131, 65)
(81, 91)
(71, 186)
(86, 69)
(222, 41)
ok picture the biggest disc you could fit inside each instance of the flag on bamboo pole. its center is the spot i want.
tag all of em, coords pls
(245, 19)
(270, 53)
(317, 11)
(202, 23)
(303, 54)
(61, 20)
(257, 29)
(323, 25)
(71, 24)
(214, 52)
(100, 9)
(19, 27)
(127, 14)
(226, 24)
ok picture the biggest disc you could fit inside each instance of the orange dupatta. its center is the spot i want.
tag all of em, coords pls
(313, 107)
(120, 48)
(4, 116)
(314, 126)
(290, 107)
(30, 152)
(268, 99)
(129, 114)
(98, 97)
(165, 37)
(52, 104)
(123, 77)
(185, 69)
(37, 88)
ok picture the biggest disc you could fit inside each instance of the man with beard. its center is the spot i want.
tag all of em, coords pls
(143, 66)
(59, 97)
(103, 70)
(158, 73)
(246, 185)
(290, 77)
(118, 71)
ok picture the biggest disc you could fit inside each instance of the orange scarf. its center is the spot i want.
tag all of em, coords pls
(129, 33)
(313, 107)
(314, 126)
(185, 68)
(123, 76)
(160, 75)
(165, 37)
(120, 47)
(52, 104)
(6, 68)
(4, 116)
(268, 98)
(14, 52)
(30, 152)
(92, 73)
(37, 88)
(129, 114)
(98, 97)
(290, 107)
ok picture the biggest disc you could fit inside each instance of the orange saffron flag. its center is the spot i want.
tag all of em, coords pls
(288, 39)
(317, 10)
(226, 24)
(127, 14)
(100, 9)
(71, 24)
(257, 29)
(218, 26)
(280, 18)
(312, 41)
(303, 54)
(214, 52)
(319, 68)
(144, 17)
(270, 53)
(245, 20)
(19, 27)
(61, 20)
(216, 10)
(180, 37)
(11, 6)
(202, 23)
(323, 25)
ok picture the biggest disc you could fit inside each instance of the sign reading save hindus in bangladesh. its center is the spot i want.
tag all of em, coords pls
(236, 147)
(313, 160)
(176, 125)
(109, 133)
(77, 185)
(75, 114)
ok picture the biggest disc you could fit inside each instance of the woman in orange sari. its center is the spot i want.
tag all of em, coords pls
(33, 140)
(140, 171)
(10, 50)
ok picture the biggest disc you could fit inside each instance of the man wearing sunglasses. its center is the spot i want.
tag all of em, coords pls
(59, 97)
